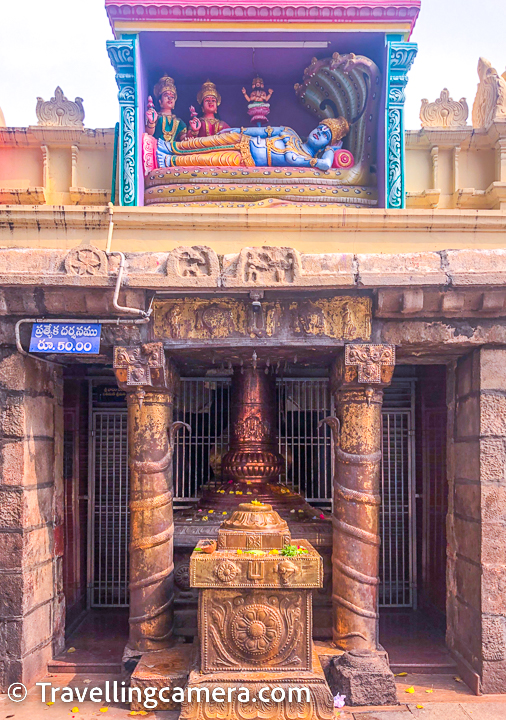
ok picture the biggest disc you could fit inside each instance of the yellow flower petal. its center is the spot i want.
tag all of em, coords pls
(71, 650)
(430, 691)
(224, 512)
(205, 518)
(403, 674)
(50, 703)
(104, 709)
(76, 709)
(457, 679)
(210, 512)
(419, 707)
(410, 690)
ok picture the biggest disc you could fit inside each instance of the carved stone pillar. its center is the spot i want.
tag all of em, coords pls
(358, 378)
(150, 383)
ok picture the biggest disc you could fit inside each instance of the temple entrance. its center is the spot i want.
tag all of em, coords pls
(412, 559)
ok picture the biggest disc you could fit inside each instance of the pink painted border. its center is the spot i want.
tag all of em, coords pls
(275, 11)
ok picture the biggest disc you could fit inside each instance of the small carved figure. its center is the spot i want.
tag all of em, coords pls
(258, 101)
(208, 123)
(286, 569)
(164, 124)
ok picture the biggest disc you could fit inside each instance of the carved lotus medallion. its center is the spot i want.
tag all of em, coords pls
(226, 571)
(256, 629)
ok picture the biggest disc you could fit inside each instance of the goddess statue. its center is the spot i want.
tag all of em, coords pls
(164, 125)
(207, 124)
(258, 147)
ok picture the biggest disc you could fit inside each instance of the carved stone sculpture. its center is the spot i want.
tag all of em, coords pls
(86, 261)
(444, 112)
(490, 103)
(59, 111)
(193, 266)
(256, 617)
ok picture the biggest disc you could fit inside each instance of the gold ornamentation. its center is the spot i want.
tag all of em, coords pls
(444, 112)
(196, 319)
(86, 261)
(370, 359)
(208, 89)
(339, 127)
(60, 112)
(165, 83)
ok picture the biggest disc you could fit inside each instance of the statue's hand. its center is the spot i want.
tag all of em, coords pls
(195, 124)
(151, 114)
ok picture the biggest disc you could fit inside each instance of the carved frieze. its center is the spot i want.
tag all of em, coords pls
(196, 266)
(60, 112)
(86, 261)
(196, 319)
(284, 266)
(444, 112)
(370, 359)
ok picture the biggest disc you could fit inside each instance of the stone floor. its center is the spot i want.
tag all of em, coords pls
(448, 699)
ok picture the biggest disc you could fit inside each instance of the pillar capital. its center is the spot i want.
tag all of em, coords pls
(144, 368)
(362, 365)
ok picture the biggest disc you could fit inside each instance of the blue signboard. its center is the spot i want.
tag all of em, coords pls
(76, 338)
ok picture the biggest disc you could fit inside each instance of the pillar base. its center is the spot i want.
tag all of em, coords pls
(364, 677)
(162, 669)
(320, 705)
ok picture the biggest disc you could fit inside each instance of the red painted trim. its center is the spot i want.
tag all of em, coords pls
(275, 11)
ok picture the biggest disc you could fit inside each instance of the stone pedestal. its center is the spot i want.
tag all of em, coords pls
(255, 622)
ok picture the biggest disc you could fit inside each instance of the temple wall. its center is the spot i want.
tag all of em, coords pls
(477, 507)
(32, 605)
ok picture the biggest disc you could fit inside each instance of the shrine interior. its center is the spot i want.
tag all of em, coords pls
(414, 492)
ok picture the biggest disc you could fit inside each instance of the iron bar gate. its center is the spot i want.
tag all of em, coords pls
(302, 402)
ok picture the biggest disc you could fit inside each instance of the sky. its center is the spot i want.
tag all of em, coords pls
(45, 43)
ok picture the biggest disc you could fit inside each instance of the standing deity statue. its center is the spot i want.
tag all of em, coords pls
(258, 147)
(164, 125)
(207, 124)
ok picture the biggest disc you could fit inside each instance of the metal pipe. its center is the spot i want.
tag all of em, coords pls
(121, 308)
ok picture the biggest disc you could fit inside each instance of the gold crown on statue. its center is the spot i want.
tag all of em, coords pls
(339, 127)
(208, 88)
(164, 84)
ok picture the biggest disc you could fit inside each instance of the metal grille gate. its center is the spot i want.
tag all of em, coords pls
(302, 403)
(109, 520)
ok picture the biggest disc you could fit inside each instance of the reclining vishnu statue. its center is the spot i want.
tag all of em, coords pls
(210, 142)
(257, 147)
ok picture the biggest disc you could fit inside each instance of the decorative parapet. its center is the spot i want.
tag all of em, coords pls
(59, 111)
(490, 103)
(122, 56)
(393, 13)
(400, 58)
(444, 112)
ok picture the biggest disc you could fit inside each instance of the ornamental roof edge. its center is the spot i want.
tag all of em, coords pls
(381, 13)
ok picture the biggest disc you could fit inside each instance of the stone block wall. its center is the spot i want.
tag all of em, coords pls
(477, 515)
(32, 605)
